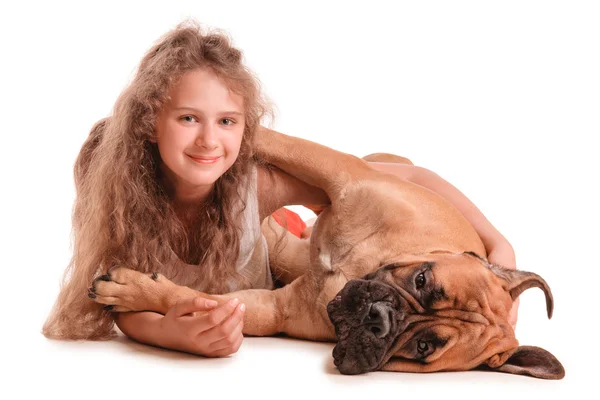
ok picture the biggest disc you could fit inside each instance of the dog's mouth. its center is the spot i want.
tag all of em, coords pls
(367, 318)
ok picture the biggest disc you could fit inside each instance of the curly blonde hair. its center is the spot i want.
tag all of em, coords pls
(122, 215)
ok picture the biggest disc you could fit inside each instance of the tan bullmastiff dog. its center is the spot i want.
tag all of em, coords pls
(396, 275)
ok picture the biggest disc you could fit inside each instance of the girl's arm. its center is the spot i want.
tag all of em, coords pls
(144, 327)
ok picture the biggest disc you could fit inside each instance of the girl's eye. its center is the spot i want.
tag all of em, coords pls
(227, 121)
(188, 118)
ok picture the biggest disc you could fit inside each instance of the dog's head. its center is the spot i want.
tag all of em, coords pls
(443, 312)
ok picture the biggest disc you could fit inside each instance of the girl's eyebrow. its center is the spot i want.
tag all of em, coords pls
(200, 112)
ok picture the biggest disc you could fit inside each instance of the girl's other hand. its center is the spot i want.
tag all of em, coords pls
(198, 326)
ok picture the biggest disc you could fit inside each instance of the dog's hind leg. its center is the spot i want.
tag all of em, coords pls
(288, 254)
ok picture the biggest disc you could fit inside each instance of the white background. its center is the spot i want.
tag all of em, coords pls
(502, 99)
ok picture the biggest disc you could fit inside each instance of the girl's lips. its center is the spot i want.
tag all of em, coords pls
(204, 160)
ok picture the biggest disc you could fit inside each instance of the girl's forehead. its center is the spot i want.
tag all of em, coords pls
(204, 87)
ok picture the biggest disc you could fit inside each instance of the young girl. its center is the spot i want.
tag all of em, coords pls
(169, 184)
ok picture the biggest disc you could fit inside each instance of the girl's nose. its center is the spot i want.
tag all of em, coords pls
(207, 136)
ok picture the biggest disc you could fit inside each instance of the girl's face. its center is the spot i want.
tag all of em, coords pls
(199, 132)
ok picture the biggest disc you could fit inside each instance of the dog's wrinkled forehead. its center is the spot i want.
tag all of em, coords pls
(443, 281)
(461, 264)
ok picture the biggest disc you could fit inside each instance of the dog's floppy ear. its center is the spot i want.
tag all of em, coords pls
(529, 360)
(519, 281)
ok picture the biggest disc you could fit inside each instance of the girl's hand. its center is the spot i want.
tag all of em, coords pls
(197, 326)
(504, 255)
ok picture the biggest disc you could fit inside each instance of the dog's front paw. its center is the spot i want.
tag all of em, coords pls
(123, 289)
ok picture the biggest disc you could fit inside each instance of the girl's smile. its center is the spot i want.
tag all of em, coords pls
(204, 159)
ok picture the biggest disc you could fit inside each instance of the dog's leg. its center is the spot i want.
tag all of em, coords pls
(124, 289)
(297, 310)
(311, 162)
(387, 158)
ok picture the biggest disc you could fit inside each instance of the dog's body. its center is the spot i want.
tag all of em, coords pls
(396, 275)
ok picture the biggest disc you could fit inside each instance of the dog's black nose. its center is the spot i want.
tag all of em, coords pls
(379, 319)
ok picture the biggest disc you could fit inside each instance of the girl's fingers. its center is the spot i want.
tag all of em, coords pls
(225, 328)
(230, 339)
(214, 318)
(229, 350)
(192, 305)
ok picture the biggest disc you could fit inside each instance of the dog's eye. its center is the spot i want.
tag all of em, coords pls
(420, 280)
(424, 348)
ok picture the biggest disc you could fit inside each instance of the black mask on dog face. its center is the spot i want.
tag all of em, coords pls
(368, 316)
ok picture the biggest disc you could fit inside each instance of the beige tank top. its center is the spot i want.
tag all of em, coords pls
(253, 260)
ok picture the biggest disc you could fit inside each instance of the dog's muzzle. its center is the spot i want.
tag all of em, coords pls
(368, 317)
